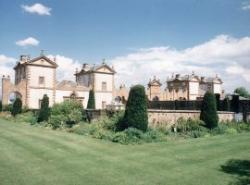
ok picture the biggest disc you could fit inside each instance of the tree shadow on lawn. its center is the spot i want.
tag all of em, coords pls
(240, 168)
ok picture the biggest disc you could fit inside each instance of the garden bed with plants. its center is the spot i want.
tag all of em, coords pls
(129, 127)
(106, 128)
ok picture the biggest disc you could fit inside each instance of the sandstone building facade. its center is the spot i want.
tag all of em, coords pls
(36, 77)
(192, 87)
(178, 87)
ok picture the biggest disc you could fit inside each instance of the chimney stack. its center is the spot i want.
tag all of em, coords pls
(24, 58)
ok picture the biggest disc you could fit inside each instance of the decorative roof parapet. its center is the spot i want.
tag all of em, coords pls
(154, 82)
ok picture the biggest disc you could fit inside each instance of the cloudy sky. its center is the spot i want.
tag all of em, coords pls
(140, 38)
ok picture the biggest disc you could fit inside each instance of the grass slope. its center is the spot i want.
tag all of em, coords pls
(31, 155)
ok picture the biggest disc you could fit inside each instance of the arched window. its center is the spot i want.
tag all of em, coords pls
(13, 95)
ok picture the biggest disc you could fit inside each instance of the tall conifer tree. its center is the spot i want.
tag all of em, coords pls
(208, 111)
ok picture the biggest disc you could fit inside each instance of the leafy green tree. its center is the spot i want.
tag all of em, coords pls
(44, 112)
(136, 110)
(226, 104)
(208, 111)
(91, 101)
(241, 91)
(17, 107)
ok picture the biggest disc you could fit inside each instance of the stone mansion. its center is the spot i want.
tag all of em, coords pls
(36, 77)
(186, 87)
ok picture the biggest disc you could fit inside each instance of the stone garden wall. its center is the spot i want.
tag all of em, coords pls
(166, 118)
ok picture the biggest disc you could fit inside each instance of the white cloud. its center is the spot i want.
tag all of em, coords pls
(4, 60)
(30, 41)
(37, 8)
(208, 59)
(224, 55)
(239, 70)
(245, 5)
(66, 67)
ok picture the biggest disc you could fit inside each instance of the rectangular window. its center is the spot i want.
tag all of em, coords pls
(104, 86)
(103, 105)
(41, 80)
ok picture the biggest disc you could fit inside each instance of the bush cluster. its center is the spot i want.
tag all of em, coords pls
(68, 113)
(27, 117)
(195, 128)
(127, 136)
(24, 117)
(188, 125)
(230, 128)
(126, 127)
(7, 108)
(106, 128)
(190, 128)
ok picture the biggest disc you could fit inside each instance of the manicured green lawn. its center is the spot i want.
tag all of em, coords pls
(39, 156)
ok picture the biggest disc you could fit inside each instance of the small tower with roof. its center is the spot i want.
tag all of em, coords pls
(154, 89)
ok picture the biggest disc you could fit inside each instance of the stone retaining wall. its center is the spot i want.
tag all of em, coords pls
(166, 118)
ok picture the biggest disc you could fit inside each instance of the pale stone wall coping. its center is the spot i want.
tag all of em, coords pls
(184, 111)
(167, 118)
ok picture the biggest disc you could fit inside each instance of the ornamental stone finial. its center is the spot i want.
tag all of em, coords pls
(42, 52)
(103, 61)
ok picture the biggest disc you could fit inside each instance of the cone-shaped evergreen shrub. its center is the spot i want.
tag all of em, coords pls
(1, 106)
(226, 104)
(17, 107)
(44, 112)
(91, 101)
(136, 109)
(208, 111)
(217, 97)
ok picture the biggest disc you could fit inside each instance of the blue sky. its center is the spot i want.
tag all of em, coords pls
(89, 30)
